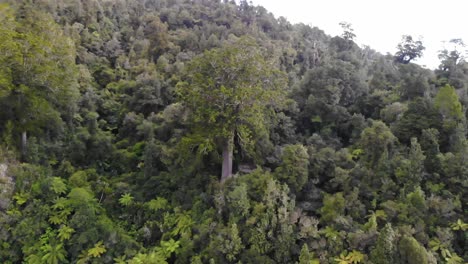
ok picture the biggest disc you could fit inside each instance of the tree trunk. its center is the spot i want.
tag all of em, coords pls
(228, 148)
(24, 143)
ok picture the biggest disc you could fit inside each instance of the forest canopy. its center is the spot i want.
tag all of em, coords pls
(208, 131)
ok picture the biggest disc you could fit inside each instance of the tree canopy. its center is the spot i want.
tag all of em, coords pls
(117, 118)
(409, 49)
(230, 92)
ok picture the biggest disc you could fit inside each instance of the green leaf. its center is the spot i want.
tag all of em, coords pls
(453, 258)
(21, 198)
(58, 186)
(434, 244)
(83, 257)
(316, 119)
(342, 259)
(60, 203)
(150, 258)
(184, 224)
(65, 233)
(56, 219)
(54, 254)
(120, 260)
(459, 225)
(126, 199)
(356, 256)
(158, 204)
(330, 232)
(97, 250)
(14, 212)
(34, 259)
(168, 247)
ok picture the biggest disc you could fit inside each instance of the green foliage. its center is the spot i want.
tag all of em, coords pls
(38, 76)
(54, 254)
(410, 172)
(347, 31)
(294, 167)
(376, 141)
(421, 114)
(97, 250)
(411, 251)
(183, 223)
(58, 186)
(20, 198)
(80, 196)
(232, 245)
(306, 257)
(149, 258)
(168, 247)
(453, 258)
(333, 206)
(459, 225)
(116, 116)
(430, 146)
(65, 232)
(356, 256)
(373, 217)
(342, 259)
(409, 49)
(227, 94)
(158, 204)
(78, 179)
(126, 199)
(351, 257)
(239, 201)
(449, 106)
(384, 251)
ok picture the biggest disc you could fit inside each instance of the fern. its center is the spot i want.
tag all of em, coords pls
(97, 250)
(126, 199)
(21, 198)
(459, 225)
(65, 233)
(158, 204)
(168, 247)
(58, 186)
(356, 256)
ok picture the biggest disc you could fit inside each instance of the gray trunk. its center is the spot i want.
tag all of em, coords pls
(24, 143)
(228, 148)
(7, 186)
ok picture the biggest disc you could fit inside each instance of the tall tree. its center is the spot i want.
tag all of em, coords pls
(348, 31)
(453, 66)
(38, 76)
(230, 91)
(448, 104)
(409, 49)
(411, 251)
(376, 142)
(450, 59)
(385, 249)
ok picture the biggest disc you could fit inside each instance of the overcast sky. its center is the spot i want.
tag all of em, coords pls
(380, 24)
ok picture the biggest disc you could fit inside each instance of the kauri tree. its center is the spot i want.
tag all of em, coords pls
(230, 92)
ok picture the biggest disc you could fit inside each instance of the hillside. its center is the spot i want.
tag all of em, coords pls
(205, 131)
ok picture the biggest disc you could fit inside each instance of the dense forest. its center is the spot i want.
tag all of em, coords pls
(209, 131)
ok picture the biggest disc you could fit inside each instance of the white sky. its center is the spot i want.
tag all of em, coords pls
(381, 23)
